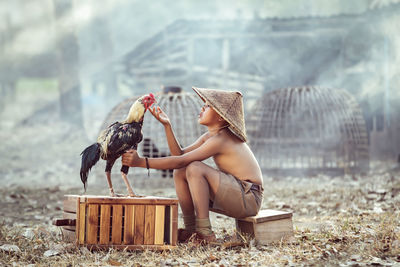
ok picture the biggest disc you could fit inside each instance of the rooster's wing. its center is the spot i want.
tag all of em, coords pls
(124, 137)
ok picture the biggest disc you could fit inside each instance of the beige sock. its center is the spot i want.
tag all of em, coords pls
(203, 226)
(190, 222)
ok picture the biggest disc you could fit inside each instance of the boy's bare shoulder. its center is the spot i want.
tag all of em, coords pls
(217, 138)
(226, 138)
(204, 137)
(222, 138)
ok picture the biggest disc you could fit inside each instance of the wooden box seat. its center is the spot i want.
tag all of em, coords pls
(267, 226)
(120, 222)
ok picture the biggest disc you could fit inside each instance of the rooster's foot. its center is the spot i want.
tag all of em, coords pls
(133, 194)
(112, 194)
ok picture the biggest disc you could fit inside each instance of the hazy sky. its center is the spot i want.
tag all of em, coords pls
(128, 23)
(131, 22)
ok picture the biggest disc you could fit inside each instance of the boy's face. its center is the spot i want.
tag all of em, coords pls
(208, 115)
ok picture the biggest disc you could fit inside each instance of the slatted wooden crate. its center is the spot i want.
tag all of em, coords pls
(267, 226)
(120, 222)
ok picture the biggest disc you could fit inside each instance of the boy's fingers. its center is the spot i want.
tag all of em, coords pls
(155, 112)
(151, 110)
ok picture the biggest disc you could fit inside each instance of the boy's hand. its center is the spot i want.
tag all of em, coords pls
(159, 115)
(131, 158)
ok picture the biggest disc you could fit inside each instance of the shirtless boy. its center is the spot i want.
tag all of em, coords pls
(235, 188)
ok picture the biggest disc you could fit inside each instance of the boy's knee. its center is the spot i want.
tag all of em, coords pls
(179, 173)
(194, 168)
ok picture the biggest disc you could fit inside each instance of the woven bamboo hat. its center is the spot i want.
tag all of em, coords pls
(229, 105)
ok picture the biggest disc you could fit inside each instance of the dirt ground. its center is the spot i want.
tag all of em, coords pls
(346, 221)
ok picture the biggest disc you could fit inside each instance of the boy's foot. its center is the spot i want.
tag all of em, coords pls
(207, 239)
(185, 235)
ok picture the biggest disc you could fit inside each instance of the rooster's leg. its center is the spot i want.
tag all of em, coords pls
(108, 174)
(109, 165)
(130, 191)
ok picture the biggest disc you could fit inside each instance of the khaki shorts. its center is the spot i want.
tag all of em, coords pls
(235, 198)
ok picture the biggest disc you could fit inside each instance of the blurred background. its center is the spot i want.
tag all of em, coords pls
(65, 64)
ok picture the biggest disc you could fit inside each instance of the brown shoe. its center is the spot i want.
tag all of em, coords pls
(207, 239)
(185, 235)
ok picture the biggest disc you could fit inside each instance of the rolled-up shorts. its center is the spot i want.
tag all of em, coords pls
(236, 198)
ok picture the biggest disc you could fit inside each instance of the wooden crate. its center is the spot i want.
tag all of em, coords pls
(267, 226)
(120, 222)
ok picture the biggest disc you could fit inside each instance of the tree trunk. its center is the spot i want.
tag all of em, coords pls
(68, 64)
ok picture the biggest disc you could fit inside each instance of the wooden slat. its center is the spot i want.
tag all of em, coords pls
(77, 222)
(159, 225)
(132, 247)
(167, 225)
(67, 215)
(267, 215)
(129, 224)
(116, 224)
(72, 216)
(133, 201)
(148, 200)
(92, 223)
(69, 204)
(105, 217)
(174, 224)
(81, 233)
(139, 225)
(149, 224)
(64, 222)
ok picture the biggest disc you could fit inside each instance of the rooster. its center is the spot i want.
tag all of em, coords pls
(116, 140)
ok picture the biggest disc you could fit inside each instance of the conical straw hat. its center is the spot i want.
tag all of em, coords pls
(229, 105)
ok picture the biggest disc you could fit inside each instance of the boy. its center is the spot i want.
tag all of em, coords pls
(235, 188)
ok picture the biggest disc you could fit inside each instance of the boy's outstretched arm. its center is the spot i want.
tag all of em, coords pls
(173, 144)
(210, 148)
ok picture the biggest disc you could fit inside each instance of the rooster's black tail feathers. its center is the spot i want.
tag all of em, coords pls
(90, 156)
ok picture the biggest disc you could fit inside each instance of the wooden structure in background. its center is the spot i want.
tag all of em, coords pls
(267, 226)
(120, 222)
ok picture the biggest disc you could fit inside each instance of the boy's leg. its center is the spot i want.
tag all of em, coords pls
(186, 204)
(183, 193)
(203, 182)
(194, 185)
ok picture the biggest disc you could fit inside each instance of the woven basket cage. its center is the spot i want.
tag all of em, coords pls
(182, 109)
(308, 130)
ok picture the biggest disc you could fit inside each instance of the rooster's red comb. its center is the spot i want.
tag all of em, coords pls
(151, 95)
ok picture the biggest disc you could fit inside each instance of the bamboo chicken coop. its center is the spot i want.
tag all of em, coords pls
(182, 109)
(308, 130)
